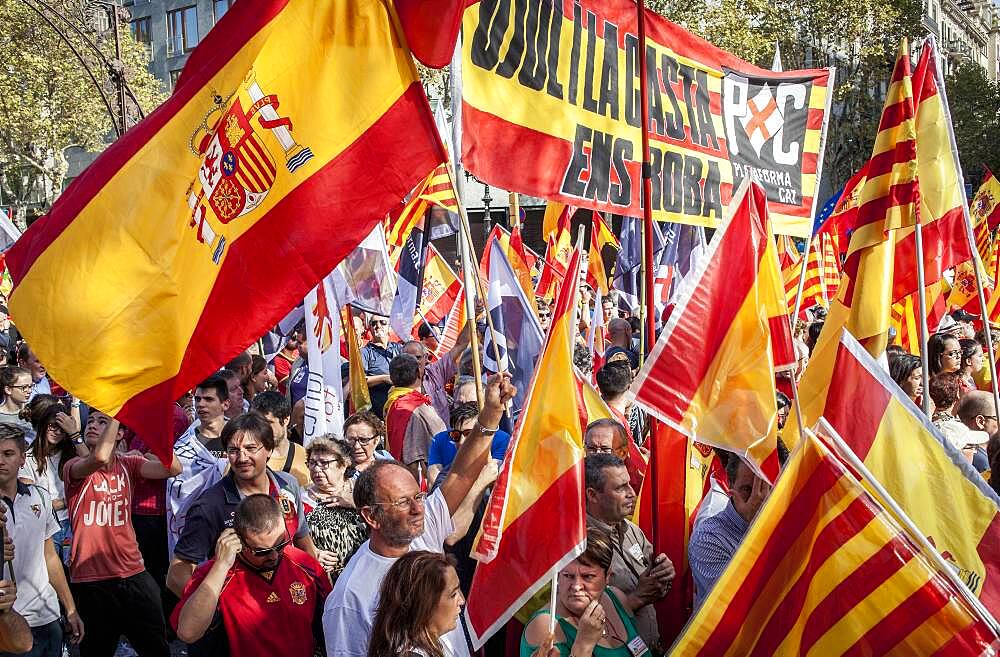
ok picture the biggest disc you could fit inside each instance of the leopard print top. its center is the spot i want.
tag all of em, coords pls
(339, 530)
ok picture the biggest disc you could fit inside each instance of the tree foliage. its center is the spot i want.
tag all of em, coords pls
(860, 38)
(49, 102)
(975, 114)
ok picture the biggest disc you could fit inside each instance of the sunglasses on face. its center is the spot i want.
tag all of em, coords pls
(265, 552)
(455, 434)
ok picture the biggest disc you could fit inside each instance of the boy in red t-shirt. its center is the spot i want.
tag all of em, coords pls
(114, 593)
(265, 594)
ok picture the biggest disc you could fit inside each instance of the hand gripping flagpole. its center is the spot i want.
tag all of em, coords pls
(976, 260)
(845, 452)
(647, 246)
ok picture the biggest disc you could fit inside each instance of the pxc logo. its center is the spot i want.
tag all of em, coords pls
(769, 117)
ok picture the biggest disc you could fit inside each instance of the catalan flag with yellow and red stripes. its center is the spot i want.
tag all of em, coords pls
(985, 207)
(814, 288)
(539, 492)
(294, 128)
(601, 236)
(711, 373)
(831, 265)
(434, 190)
(933, 483)
(906, 311)
(824, 570)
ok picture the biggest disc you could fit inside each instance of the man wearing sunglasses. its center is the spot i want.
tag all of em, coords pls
(375, 356)
(260, 592)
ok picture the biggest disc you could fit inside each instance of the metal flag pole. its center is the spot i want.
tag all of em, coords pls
(925, 399)
(647, 245)
(883, 496)
(464, 250)
(976, 261)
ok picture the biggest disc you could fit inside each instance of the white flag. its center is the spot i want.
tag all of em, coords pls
(324, 400)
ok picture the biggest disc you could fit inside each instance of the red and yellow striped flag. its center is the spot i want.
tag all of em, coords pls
(149, 255)
(942, 200)
(539, 491)
(600, 237)
(985, 207)
(935, 485)
(824, 570)
(711, 373)
(435, 189)
(814, 289)
(984, 243)
(831, 266)
(790, 261)
(905, 312)
(456, 322)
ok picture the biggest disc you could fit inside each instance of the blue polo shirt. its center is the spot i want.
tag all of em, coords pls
(213, 512)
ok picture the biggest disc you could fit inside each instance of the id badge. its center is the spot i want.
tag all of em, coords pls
(637, 647)
(636, 552)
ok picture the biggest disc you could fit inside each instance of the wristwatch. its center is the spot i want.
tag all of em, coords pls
(77, 438)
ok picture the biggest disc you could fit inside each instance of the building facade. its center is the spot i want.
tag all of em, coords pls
(966, 31)
(171, 29)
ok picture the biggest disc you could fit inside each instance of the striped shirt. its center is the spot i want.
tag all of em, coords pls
(713, 543)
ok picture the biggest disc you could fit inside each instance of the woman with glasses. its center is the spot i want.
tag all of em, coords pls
(336, 526)
(16, 382)
(364, 433)
(944, 354)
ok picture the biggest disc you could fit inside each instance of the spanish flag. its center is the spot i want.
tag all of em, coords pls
(824, 570)
(439, 289)
(985, 206)
(535, 522)
(932, 482)
(711, 373)
(295, 126)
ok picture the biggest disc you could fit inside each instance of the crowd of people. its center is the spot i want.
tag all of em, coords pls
(356, 544)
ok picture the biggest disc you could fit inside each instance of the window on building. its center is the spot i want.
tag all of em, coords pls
(182, 30)
(173, 78)
(221, 7)
(141, 30)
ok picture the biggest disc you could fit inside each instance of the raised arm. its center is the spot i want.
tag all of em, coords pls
(475, 450)
(198, 610)
(104, 448)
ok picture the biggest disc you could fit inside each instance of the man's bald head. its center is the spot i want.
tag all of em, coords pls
(977, 410)
(620, 332)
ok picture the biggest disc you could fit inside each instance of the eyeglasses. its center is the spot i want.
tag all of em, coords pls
(321, 465)
(953, 354)
(595, 449)
(263, 552)
(405, 502)
(364, 440)
(456, 434)
(250, 450)
(25, 388)
(379, 323)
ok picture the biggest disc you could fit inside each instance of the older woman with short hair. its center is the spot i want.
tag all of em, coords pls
(336, 526)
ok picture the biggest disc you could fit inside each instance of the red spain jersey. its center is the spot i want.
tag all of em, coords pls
(265, 617)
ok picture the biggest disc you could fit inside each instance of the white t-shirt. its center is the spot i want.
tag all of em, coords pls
(31, 524)
(48, 480)
(349, 612)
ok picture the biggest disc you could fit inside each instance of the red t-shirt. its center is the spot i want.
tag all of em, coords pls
(280, 612)
(282, 368)
(100, 506)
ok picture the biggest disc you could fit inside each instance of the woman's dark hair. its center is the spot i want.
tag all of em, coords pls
(935, 349)
(257, 364)
(462, 412)
(408, 597)
(901, 366)
(943, 389)
(969, 348)
(41, 412)
(599, 552)
(8, 376)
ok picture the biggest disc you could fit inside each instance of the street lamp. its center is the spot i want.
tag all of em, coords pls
(487, 200)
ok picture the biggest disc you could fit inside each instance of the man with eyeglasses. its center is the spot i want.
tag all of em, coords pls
(376, 356)
(259, 595)
(977, 410)
(403, 518)
(248, 442)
